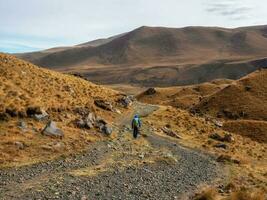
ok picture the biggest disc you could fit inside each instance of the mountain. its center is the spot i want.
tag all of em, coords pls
(158, 56)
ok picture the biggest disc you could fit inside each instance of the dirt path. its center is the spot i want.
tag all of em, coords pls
(151, 167)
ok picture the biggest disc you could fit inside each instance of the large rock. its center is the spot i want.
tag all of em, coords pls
(31, 111)
(22, 125)
(12, 112)
(42, 116)
(171, 133)
(103, 104)
(81, 111)
(4, 116)
(126, 101)
(52, 130)
(106, 129)
(150, 91)
(87, 122)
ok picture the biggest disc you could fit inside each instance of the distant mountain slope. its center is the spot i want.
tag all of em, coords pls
(162, 56)
(245, 99)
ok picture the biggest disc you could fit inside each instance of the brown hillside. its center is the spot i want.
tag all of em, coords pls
(184, 96)
(245, 98)
(157, 56)
(65, 98)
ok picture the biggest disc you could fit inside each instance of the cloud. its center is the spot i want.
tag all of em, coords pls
(234, 10)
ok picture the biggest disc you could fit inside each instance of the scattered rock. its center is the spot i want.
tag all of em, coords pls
(22, 125)
(150, 91)
(68, 88)
(12, 112)
(4, 116)
(228, 138)
(106, 129)
(125, 101)
(58, 146)
(52, 130)
(79, 123)
(221, 145)
(117, 111)
(227, 158)
(19, 145)
(41, 117)
(31, 111)
(227, 113)
(171, 133)
(168, 125)
(47, 147)
(141, 156)
(103, 104)
(87, 122)
(218, 123)
(248, 88)
(216, 136)
(82, 111)
(22, 114)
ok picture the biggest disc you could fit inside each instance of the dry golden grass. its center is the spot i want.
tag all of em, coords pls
(24, 85)
(245, 98)
(184, 96)
(208, 194)
(242, 194)
(195, 132)
(254, 129)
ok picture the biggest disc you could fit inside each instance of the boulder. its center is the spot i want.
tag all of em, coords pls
(228, 138)
(125, 101)
(19, 145)
(79, 123)
(22, 125)
(81, 111)
(4, 116)
(22, 114)
(52, 130)
(103, 104)
(218, 123)
(227, 158)
(150, 91)
(106, 129)
(216, 136)
(171, 133)
(87, 122)
(221, 145)
(31, 111)
(11, 112)
(42, 116)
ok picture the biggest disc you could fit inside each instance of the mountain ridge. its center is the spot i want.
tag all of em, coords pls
(144, 48)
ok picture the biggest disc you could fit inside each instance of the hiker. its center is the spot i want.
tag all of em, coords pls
(136, 124)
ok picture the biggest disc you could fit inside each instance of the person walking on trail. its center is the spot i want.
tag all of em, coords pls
(136, 124)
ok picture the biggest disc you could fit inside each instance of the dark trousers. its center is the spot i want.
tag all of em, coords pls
(135, 132)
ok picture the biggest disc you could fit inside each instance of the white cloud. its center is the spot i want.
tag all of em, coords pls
(68, 22)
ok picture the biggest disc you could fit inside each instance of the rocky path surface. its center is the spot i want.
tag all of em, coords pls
(151, 167)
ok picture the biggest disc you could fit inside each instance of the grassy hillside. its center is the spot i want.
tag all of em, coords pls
(64, 98)
(245, 98)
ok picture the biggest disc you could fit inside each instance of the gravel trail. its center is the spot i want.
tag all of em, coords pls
(116, 169)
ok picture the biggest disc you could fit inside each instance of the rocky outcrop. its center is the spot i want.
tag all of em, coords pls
(126, 101)
(150, 91)
(52, 130)
(103, 104)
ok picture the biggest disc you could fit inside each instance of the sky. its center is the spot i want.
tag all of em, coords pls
(31, 25)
